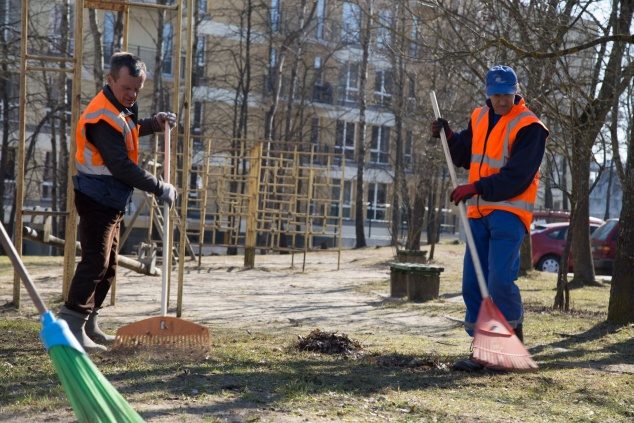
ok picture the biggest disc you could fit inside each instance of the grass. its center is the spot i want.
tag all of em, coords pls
(586, 371)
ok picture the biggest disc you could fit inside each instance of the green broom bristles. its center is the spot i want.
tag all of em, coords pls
(92, 397)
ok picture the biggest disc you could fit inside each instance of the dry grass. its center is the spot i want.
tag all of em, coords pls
(586, 368)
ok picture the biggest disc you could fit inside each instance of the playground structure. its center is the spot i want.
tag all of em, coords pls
(266, 195)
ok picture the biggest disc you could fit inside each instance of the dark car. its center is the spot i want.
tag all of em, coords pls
(603, 242)
(548, 246)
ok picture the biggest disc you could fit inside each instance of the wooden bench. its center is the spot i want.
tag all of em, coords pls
(418, 282)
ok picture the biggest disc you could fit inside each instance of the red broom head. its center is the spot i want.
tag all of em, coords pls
(495, 344)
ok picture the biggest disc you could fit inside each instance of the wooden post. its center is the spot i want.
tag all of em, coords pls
(253, 191)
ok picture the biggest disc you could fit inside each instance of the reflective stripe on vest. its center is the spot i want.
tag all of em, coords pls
(506, 152)
(88, 160)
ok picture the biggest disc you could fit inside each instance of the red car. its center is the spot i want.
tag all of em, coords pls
(603, 242)
(548, 246)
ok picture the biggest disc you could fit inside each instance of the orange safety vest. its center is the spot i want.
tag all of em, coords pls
(88, 159)
(498, 150)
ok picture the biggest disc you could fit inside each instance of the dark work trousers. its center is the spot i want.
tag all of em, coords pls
(99, 228)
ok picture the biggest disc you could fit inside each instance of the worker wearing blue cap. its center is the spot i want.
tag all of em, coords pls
(502, 148)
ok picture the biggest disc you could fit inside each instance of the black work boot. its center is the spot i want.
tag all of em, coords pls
(77, 324)
(519, 332)
(95, 333)
(467, 365)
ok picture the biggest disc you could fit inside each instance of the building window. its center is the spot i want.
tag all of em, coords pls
(108, 36)
(275, 15)
(314, 130)
(346, 201)
(270, 77)
(383, 88)
(351, 27)
(380, 149)
(47, 190)
(413, 46)
(200, 51)
(198, 115)
(320, 19)
(407, 150)
(350, 84)
(383, 34)
(167, 49)
(344, 139)
(202, 7)
(322, 90)
(377, 197)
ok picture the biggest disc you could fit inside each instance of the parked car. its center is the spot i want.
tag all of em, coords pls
(603, 242)
(548, 245)
(541, 218)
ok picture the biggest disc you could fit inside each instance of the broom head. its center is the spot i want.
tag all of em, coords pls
(162, 331)
(90, 394)
(495, 344)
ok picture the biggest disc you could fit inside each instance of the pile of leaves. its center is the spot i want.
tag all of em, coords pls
(328, 343)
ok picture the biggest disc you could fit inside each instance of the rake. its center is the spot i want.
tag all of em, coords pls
(163, 330)
(91, 396)
(495, 344)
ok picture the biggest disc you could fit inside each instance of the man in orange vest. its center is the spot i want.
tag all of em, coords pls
(107, 161)
(502, 148)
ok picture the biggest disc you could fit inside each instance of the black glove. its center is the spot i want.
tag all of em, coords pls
(158, 124)
(169, 194)
(439, 123)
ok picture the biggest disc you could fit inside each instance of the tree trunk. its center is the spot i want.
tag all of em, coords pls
(621, 306)
(366, 36)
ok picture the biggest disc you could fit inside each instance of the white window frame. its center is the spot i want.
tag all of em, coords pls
(380, 147)
(351, 23)
(351, 83)
(346, 203)
(344, 140)
(408, 149)
(377, 211)
(383, 34)
(383, 95)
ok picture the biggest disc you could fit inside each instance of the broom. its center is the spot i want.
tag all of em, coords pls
(495, 344)
(92, 397)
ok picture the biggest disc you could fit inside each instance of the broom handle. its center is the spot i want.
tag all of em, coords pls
(461, 206)
(166, 223)
(10, 250)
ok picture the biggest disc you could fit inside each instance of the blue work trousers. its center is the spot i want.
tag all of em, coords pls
(498, 238)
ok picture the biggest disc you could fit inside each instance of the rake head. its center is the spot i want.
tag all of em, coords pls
(495, 344)
(162, 331)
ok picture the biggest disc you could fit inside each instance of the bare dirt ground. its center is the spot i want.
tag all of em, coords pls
(273, 295)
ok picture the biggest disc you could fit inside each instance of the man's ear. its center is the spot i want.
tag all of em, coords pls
(109, 79)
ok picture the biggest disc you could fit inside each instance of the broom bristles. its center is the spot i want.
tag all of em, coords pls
(90, 394)
(92, 397)
(495, 344)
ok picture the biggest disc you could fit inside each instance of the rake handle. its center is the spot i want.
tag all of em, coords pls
(166, 223)
(461, 206)
(10, 250)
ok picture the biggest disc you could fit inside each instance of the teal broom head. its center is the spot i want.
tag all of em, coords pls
(92, 397)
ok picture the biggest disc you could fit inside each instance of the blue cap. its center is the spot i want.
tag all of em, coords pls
(501, 80)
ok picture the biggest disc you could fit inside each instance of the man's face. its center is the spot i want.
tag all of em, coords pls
(126, 87)
(502, 103)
